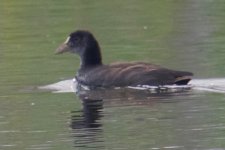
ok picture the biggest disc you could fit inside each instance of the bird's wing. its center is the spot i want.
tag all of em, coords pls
(133, 74)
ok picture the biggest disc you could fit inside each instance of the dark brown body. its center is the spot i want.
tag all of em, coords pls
(93, 72)
(131, 74)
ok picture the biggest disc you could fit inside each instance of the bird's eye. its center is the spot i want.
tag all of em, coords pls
(76, 39)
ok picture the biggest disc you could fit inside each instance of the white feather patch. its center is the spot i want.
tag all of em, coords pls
(67, 40)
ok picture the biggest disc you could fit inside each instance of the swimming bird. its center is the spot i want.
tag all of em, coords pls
(94, 73)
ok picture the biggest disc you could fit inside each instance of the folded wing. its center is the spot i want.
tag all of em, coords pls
(133, 74)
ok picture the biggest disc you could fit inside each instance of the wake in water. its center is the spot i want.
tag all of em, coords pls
(211, 85)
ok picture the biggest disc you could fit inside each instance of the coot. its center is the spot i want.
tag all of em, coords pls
(93, 72)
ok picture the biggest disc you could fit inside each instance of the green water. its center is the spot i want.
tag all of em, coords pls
(185, 35)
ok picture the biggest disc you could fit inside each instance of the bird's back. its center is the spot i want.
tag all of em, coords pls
(131, 74)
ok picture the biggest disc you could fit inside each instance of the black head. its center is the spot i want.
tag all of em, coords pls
(76, 42)
(84, 44)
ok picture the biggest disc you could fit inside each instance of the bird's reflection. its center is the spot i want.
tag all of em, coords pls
(86, 124)
(90, 115)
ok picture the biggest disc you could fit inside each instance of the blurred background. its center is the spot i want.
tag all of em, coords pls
(184, 35)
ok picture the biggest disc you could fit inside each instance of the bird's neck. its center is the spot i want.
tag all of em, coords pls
(92, 56)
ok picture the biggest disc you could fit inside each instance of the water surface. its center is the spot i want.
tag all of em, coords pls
(184, 35)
